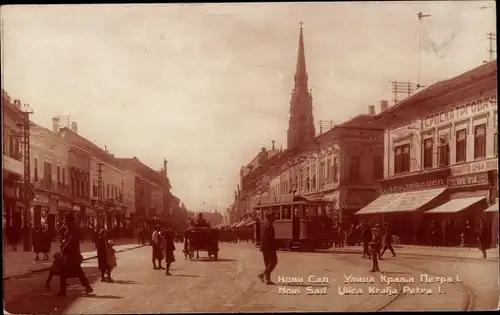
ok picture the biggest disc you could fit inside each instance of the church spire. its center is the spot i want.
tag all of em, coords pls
(301, 122)
(301, 72)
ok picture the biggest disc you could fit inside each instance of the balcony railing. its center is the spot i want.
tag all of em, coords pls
(52, 186)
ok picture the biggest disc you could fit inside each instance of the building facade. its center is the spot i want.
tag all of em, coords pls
(13, 167)
(49, 174)
(78, 178)
(341, 166)
(440, 160)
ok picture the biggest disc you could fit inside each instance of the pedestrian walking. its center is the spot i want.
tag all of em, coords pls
(36, 240)
(106, 258)
(387, 241)
(14, 235)
(169, 248)
(483, 238)
(375, 248)
(157, 253)
(45, 241)
(366, 236)
(71, 261)
(269, 250)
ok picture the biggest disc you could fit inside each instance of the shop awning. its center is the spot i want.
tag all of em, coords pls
(250, 223)
(456, 205)
(493, 207)
(402, 202)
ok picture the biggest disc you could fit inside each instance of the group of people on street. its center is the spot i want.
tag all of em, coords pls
(234, 235)
(163, 247)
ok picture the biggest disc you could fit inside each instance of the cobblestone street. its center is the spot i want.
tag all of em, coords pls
(230, 285)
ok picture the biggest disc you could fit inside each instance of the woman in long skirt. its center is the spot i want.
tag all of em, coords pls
(105, 256)
(169, 248)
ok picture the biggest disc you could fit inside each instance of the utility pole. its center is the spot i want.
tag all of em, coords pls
(27, 194)
(100, 191)
(492, 37)
(401, 87)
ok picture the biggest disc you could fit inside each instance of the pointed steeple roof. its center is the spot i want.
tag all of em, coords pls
(301, 72)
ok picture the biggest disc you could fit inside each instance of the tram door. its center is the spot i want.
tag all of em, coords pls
(297, 214)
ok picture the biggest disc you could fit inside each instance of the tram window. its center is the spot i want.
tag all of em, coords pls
(329, 211)
(313, 211)
(306, 212)
(276, 211)
(320, 211)
(286, 213)
(296, 212)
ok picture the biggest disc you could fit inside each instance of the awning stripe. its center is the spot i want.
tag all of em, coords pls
(402, 202)
(457, 205)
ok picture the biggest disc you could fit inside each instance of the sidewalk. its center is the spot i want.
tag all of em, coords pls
(449, 252)
(18, 263)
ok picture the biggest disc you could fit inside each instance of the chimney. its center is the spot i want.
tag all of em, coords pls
(165, 167)
(17, 103)
(74, 126)
(371, 110)
(384, 105)
(263, 149)
(273, 144)
(55, 124)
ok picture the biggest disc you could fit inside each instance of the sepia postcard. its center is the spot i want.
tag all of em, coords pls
(250, 157)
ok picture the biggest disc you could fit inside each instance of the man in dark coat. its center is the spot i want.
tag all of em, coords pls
(366, 236)
(268, 248)
(387, 241)
(200, 222)
(71, 257)
(375, 248)
(484, 238)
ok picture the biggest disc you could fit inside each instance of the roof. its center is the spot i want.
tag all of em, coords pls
(92, 147)
(137, 166)
(485, 71)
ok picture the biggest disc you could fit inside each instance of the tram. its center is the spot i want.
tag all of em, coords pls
(300, 224)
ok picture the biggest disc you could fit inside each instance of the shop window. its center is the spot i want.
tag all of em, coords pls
(402, 158)
(495, 143)
(354, 167)
(35, 169)
(428, 144)
(378, 167)
(335, 170)
(461, 151)
(443, 152)
(480, 141)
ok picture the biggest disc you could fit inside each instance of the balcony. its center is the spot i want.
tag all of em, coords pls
(13, 165)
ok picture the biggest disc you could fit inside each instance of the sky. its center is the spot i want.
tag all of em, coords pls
(207, 85)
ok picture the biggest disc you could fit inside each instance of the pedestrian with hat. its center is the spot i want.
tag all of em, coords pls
(268, 248)
(156, 245)
(375, 245)
(71, 261)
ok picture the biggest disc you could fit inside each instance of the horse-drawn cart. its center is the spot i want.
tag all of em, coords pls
(204, 239)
